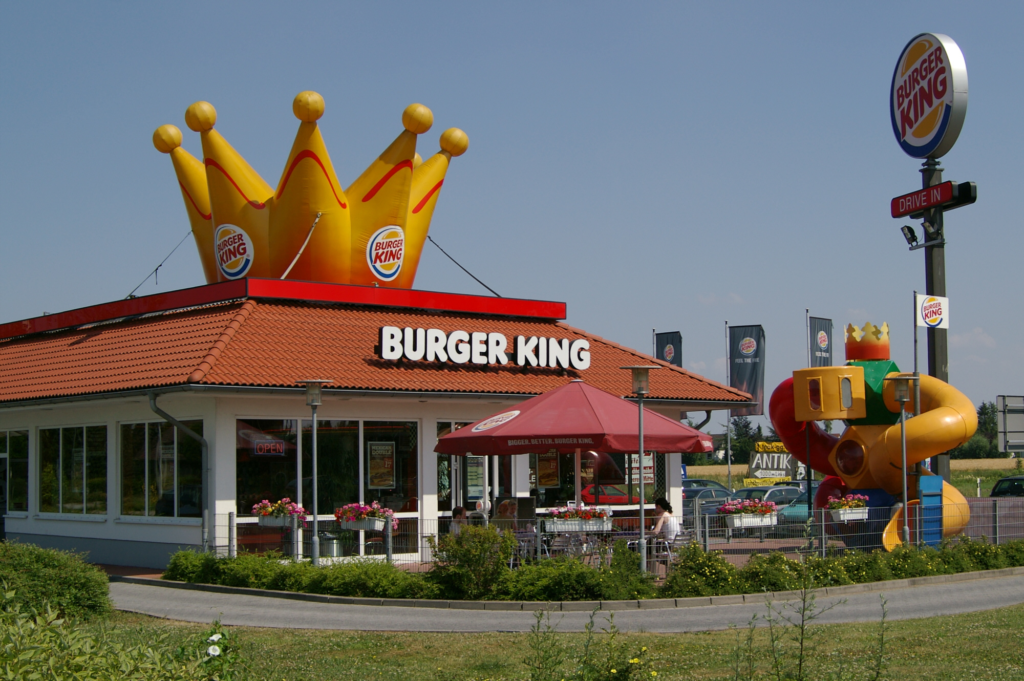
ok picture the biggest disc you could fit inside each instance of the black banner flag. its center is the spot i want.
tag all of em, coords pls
(746, 366)
(821, 342)
(669, 347)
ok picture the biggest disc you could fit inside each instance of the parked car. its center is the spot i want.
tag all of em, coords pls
(709, 499)
(690, 483)
(793, 517)
(610, 494)
(1012, 486)
(780, 496)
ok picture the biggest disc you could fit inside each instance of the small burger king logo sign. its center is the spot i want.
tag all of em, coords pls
(823, 340)
(495, 421)
(748, 346)
(385, 252)
(928, 97)
(933, 312)
(234, 251)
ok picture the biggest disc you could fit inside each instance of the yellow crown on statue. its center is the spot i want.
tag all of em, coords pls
(867, 342)
(309, 228)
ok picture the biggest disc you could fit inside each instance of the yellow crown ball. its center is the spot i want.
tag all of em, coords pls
(417, 118)
(308, 106)
(454, 141)
(200, 117)
(167, 138)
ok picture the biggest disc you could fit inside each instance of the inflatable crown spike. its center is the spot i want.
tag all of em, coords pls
(427, 180)
(238, 201)
(380, 204)
(867, 342)
(192, 179)
(245, 228)
(309, 186)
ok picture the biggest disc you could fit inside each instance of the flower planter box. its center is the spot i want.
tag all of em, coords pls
(370, 524)
(275, 521)
(576, 525)
(738, 520)
(845, 515)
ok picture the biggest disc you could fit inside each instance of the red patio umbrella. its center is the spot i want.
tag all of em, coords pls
(573, 417)
(570, 419)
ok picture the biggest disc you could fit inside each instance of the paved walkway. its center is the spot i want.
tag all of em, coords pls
(261, 611)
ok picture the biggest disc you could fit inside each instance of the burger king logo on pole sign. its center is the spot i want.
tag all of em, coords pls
(933, 312)
(748, 346)
(385, 251)
(823, 340)
(928, 99)
(234, 251)
(670, 352)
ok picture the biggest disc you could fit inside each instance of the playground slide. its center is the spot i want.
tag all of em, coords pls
(955, 515)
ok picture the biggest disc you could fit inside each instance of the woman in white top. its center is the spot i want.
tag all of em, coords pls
(667, 525)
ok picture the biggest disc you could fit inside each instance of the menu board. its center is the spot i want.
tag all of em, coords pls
(547, 470)
(475, 477)
(648, 468)
(382, 465)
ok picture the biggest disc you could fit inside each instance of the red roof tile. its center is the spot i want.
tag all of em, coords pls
(274, 343)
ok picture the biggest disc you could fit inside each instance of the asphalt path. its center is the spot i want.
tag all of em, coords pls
(258, 611)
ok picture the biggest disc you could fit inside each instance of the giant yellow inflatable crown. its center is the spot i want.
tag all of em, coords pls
(309, 228)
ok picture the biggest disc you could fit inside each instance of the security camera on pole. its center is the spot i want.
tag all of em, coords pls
(927, 106)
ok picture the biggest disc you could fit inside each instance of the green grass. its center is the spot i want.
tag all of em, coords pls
(977, 646)
(967, 481)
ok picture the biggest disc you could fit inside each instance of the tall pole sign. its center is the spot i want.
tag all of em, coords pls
(927, 107)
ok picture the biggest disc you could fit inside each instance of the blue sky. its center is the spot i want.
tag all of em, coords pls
(668, 165)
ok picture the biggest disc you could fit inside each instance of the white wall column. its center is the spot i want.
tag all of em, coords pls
(674, 463)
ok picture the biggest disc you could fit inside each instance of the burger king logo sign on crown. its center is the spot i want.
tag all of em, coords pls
(928, 97)
(385, 252)
(234, 251)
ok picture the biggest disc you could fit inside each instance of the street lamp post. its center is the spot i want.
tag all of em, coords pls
(641, 387)
(314, 398)
(901, 386)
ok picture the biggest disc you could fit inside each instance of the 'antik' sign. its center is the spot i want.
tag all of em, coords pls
(478, 347)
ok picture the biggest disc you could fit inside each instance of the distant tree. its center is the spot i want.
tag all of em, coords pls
(772, 436)
(744, 435)
(983, 444)
(988, 426)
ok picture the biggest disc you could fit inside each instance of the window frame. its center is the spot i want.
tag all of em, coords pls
(145, 516)
(60, 466)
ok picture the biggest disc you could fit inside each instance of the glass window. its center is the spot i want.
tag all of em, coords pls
(161, 470)
(266, 462)
(447, 486)
(390, 463)
(17, 470)
(337, 464)
(72, 461)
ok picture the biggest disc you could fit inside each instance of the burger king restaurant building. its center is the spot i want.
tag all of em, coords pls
(94, 404)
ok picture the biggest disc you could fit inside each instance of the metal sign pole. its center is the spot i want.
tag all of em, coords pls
(935, 285)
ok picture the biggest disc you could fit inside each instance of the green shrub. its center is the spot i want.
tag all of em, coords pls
(558, 579)
(700, 573)
(622, 580)
(966, 555)
(73, 588)
(370, 578)
(41, 645)
(192, 566)
(470, 565)
(827, 572)
(906, 562)
(770, 572)
(252, 570)
(1014, 552)
(863, 567)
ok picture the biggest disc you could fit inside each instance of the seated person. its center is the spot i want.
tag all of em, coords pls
(666, 525)
(505, 518)
(459, 520)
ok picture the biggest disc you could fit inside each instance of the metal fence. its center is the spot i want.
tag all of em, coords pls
(793, 532)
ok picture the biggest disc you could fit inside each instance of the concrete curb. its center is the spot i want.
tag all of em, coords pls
(578, 606)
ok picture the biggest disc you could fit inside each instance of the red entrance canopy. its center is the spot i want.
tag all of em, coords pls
(573, 417)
